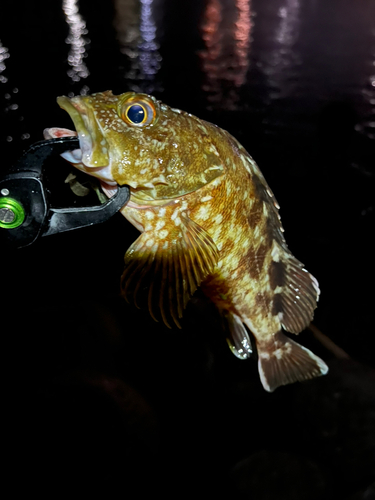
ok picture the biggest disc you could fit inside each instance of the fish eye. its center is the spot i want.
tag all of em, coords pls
(137, 111)
(136, 114)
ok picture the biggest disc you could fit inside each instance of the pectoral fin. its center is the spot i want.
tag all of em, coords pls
(166, 272)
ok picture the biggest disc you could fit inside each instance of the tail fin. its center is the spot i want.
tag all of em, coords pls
(282, 361)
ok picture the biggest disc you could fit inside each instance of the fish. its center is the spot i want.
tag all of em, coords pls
(207, 219)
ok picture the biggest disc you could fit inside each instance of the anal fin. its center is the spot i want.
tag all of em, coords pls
(282, 361)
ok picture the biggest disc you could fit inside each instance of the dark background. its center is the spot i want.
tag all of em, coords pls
(100, 396)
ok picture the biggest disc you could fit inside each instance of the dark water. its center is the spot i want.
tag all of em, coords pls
(107, 396)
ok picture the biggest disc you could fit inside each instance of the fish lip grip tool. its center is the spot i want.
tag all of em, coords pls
(25, 213)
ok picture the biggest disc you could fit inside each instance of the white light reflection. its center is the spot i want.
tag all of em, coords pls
(12, 111)
(225, 61)
(148, 49)
(368, 126)
(76, 40)
(137, 37)
(283, 58)
(126, 23)
(4, 54)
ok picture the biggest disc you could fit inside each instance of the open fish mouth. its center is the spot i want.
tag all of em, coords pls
(74, 156)
(92, 157)
(92, 143)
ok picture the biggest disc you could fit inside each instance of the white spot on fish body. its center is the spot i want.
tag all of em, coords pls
(245, 162)
(275, 254)
(216, 235)
(218, 219)
(165, 245)
(149, 243)
(149, 215)
(278, 353)
(162, 212)
(203, 212)
(160, 224)
(216, 182)
(206, 198)
(163, 234)
(175, 213)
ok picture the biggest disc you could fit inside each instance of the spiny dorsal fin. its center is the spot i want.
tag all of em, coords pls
(296, 291)
(166, 273)
(282, 361)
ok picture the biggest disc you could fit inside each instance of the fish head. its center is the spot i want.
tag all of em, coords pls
(160, 152)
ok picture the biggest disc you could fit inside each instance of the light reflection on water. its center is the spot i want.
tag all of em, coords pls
(300, 55)
(77, 29)
(137, 37)
(279, 63)
(11, 108)
(4, 54)
(367, 126)
(225, 60)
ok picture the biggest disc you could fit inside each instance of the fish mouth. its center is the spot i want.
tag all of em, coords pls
(94, 147)
(92, 157)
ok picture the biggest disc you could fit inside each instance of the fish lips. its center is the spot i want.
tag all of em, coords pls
(93, 152)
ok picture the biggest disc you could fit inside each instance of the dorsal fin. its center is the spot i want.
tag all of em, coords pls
(165, 273)
(296, 291)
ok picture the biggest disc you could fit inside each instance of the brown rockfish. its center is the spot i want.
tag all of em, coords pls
(207, 218)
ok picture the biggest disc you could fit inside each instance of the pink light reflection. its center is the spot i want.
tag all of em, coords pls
(225, 60)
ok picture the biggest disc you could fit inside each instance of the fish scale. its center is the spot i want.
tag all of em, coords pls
(207, 219)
